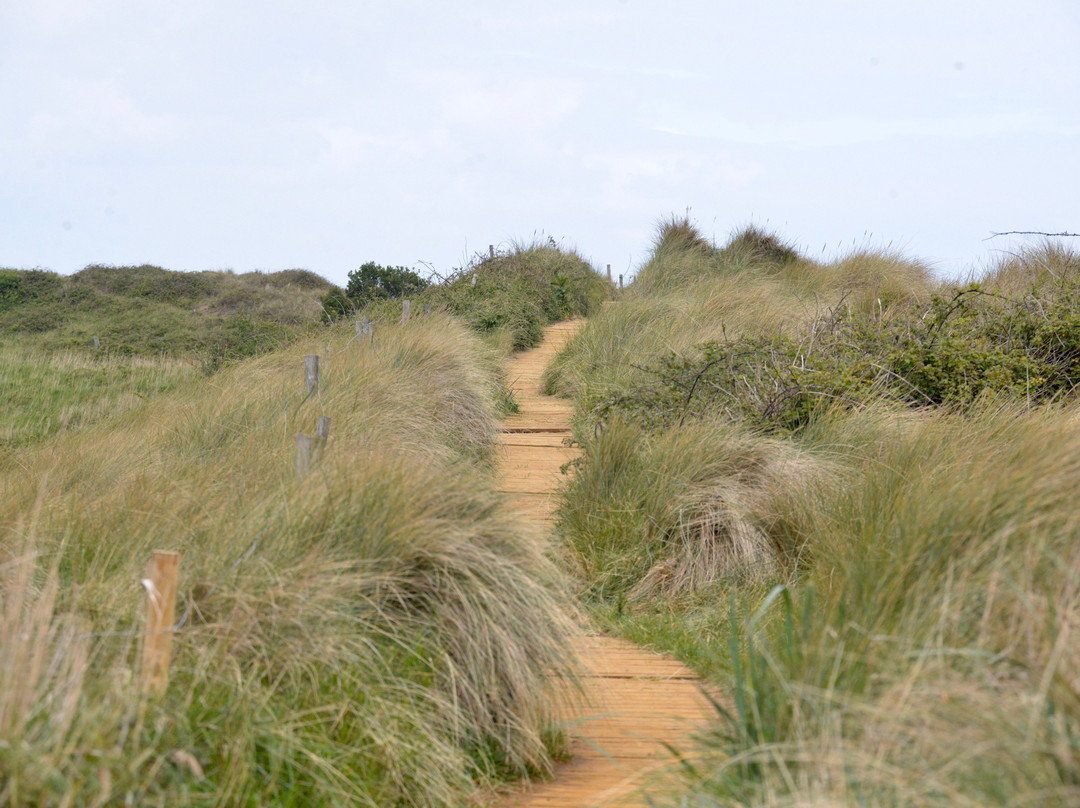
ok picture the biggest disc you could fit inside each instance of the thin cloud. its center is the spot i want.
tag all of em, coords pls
(851, 130)
(93, 112)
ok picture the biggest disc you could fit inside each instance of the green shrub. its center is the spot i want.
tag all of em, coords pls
(374, 282)
(22, 286)
(337, 304)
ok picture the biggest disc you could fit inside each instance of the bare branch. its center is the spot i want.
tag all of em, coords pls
(1031, 233)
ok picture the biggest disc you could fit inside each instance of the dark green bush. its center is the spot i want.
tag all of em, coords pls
(337, 304)
(374, 282)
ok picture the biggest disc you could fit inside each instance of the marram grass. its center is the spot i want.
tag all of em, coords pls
(382, 632)
(887, 597)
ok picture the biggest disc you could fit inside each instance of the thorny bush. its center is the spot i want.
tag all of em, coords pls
(960, 346)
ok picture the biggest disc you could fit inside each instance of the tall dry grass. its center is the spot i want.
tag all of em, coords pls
(887, 597)
(690, 292)
(381, 632)
(925, 652)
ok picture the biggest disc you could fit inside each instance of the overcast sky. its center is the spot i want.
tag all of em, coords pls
(214, 134)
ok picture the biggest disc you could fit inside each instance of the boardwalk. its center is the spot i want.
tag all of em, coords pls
(638, 699)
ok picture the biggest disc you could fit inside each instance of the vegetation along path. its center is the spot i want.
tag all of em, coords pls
(637, 701)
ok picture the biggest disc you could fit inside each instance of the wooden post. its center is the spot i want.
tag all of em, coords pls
(322, 434)
(97, 343)
(474, 279)
(404, 311)
(160, 585)
(609, 273)
(491, 250)
(311, 371)
(620, 281)
(365, 329)
(303, 455)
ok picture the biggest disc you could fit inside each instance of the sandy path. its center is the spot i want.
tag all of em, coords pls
(638, 700)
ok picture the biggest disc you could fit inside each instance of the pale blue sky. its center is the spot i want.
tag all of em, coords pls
(212, 134)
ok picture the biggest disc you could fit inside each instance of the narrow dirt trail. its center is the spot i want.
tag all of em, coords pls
(637, 700)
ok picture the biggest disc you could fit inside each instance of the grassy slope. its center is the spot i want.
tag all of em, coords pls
(148, 310)
(510, 296)
(156, 327)
(888, 593)
(379, 633)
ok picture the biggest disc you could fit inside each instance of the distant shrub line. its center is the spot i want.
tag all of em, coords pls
(147, 310)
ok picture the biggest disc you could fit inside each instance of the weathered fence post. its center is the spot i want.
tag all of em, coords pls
(620, 281)
(474, 279)
(322, 435)
(404, 311)
(97, 343)
(303, 455)
(366, 329)
(491, 250)
(311, 371)
(160, 585)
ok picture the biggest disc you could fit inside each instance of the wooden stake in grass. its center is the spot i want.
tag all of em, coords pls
(160, 585)
(609, 273)
(97, 343)
(620, 281)
(366, 329)
(404, 311)
(311, 372)
(303, 455)
(322, 435)
(491, 250)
